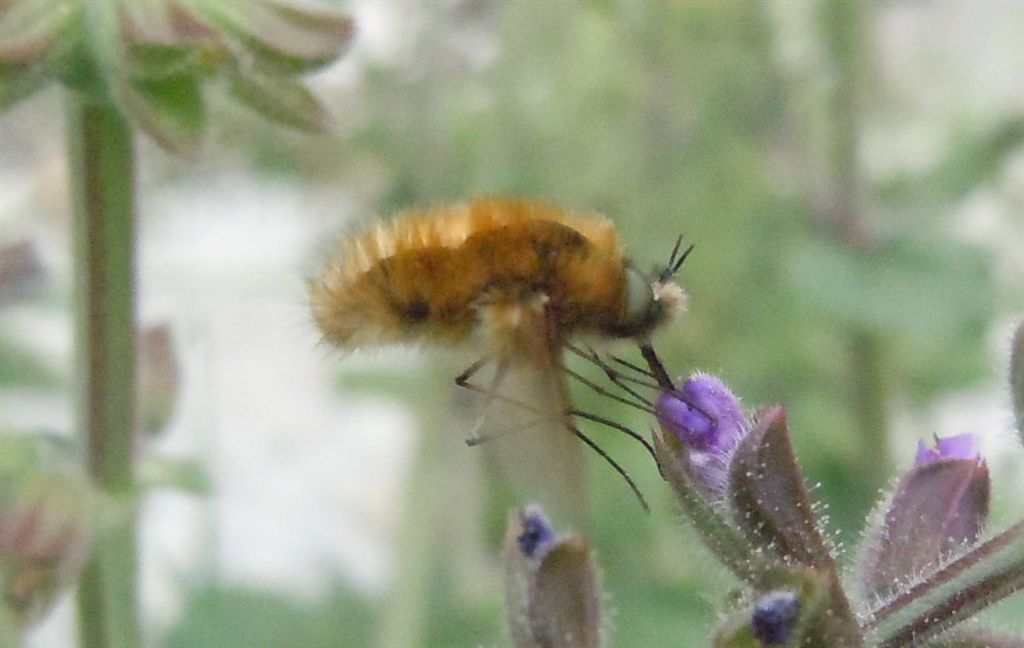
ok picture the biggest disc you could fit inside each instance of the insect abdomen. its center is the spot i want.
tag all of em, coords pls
(401, 284)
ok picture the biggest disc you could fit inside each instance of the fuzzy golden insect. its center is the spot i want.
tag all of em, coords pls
(513, 278)
(452, 274)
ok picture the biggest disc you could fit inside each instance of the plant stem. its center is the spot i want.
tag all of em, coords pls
(844, 32)
(868, 372)
(102, 177)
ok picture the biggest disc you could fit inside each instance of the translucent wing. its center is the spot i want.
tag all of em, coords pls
(525, 425)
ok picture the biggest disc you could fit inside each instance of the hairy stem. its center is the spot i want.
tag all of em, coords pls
(956, 592)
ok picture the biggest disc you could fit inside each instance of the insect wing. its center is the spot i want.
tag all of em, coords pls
(528, 435)
(525, 415)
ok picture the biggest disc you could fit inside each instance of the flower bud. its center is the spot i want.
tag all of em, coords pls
(938, 507)
(705, 415)
(776, 615)
(552, 596)
(21, 272)
(46, 529)
(159, 375)
(537, 535)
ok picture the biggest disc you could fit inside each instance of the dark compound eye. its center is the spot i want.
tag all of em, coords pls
(639, 300)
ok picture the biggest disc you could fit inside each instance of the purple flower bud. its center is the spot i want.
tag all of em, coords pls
(961, 446)
(537, 535)
(938, 507)
(705, 415)
(775, 617)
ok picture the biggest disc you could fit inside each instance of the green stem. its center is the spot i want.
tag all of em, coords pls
(868, 369)
(102, 174)
(844, 32)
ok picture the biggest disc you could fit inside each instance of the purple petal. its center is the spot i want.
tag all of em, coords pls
(537, 535)
(707, 418)
(703, 413)
(960, 446)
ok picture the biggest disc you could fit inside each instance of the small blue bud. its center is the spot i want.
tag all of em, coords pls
(537, 535)
(775, 617)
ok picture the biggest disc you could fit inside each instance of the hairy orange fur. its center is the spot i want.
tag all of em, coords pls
(437, 276)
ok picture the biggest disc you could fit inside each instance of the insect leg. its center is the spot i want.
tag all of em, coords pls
(613, 375)
(462, 378)
(478, 438)
(615, 426)
(619, 469)
(643, 406)
(490, 395)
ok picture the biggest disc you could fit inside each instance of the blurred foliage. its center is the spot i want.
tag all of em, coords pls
(21, 367)
(218, 617)
(48, 518)
(150, 59)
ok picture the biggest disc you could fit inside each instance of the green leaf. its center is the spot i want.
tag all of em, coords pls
(285, 39)
(19, 81)
(177, 474)
(925, 292)
(280, 99)
(976, 638)
(228, 617)
(170, 110)
(32, 38)
(23, 368)
(9, 631)
(28, 28)
(973, 159)
(150, 62)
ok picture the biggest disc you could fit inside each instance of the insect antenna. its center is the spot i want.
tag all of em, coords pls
(675, 260)
(619, 469)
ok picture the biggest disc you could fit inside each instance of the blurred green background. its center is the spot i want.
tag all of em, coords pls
(851, 174)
